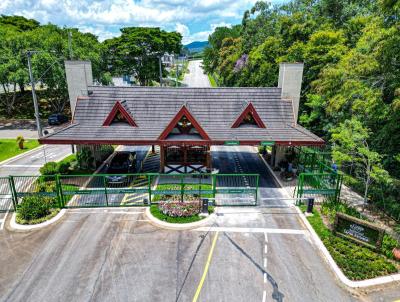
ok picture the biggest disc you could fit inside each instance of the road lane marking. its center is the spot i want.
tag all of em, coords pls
(265, 277)
(251, 230)
(22, 166)
(264, 296)
(196, 296)
(265, 262)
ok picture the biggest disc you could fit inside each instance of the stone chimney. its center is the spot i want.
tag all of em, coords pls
(290, 79)
(79, 77)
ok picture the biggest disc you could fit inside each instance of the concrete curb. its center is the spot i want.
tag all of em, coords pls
(327, 256)
(14, 226)
(177, 226)
(4, 162)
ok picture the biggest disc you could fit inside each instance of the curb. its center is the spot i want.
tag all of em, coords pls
(327, 256)
(14, 226)
(177, 226)
(20, 155)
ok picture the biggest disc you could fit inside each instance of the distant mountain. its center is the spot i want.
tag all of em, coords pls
(196, 46)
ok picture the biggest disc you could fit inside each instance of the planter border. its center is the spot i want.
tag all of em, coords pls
(178, 226)
(28, 227)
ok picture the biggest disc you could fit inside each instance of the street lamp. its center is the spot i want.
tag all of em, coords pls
(29, 54)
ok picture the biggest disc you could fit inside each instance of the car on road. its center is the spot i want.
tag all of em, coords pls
(121, 163)
(57, 119)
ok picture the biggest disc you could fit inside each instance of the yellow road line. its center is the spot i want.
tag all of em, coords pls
(203, 278)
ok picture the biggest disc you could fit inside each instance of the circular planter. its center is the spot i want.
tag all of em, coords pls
(28, 227)
(178, 226)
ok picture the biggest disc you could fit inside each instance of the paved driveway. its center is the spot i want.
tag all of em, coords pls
(196, 77)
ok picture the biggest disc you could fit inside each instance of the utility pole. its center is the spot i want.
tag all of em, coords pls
(35, 102)
(159, 60)
(70, 45)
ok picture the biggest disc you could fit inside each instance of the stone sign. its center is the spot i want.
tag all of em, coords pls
(358, 230)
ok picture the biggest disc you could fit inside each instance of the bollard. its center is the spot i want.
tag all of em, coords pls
(204, 206)
(145, 201)
(310, 205)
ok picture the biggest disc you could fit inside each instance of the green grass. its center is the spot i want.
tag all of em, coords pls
(9, 147)
(212, 81)
(356, 261)
(177, 186)
(155, 211)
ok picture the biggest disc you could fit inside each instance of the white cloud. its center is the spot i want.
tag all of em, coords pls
(105, 16)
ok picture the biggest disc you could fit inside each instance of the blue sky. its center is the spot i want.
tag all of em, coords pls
(195, 19)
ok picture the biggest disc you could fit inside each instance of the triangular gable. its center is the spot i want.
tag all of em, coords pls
(119, 109)
(183, 112)
(250, 110)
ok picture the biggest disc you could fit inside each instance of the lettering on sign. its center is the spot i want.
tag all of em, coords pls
(358, 230)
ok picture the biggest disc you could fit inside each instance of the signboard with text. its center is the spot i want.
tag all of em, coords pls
(231, 143)
(267, 143)
(358, 230)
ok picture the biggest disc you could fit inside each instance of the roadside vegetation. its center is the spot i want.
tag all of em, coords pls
(134, 52)
(212, 80)
(10, 147)
(36, 209)
(356, 261)
(351, 84)
(178, 212)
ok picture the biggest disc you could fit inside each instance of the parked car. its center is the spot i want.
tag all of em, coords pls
(122, 162)
(57, 119)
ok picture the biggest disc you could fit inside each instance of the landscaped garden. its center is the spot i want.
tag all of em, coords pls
(357, 262)
(36, 209)
(178, 212)
(12, 147)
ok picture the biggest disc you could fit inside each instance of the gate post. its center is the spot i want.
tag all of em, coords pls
(182, 186)
(257, 180)
(214, 185)
(149, 186)
(105, 189)
(14, 196)
(59, 192)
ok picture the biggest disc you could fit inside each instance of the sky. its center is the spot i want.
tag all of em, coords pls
(194, 19)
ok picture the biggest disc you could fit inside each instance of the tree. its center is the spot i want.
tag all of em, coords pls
(137, 51)
(351, 147)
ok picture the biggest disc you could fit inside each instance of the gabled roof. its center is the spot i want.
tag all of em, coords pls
(249, 110)
(154, 109)
(183, 112)
(119, 108)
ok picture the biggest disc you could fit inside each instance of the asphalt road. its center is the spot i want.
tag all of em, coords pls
(115, 254)
(29, 164)
(196, 77)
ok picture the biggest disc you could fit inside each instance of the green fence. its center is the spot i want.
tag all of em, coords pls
(317, 178)
(106, 190)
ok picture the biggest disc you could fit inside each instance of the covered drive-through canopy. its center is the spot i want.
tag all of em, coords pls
(151, 115)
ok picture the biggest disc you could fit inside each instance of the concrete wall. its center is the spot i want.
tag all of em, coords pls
(79, 77)
(290, 79)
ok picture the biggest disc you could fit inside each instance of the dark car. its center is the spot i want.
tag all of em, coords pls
(57, 119)
(123, 162)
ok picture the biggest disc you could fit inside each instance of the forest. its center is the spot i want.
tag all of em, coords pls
(351, 86)
(134, 52)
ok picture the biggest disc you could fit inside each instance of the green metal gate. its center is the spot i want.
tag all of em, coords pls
(108, 190)
(6, 198)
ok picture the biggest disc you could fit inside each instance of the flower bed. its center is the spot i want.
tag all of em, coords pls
(180, 209)
(356, 261)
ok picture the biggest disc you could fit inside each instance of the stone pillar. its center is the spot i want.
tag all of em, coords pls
(279, 154)
(162, 158)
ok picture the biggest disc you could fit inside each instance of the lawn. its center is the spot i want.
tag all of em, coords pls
(9, 147)
(356, 261)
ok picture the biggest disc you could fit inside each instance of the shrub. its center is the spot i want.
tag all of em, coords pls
(63, 167)
(35, 207)
(20, 141)
(49, 168)
(180, 209)
(84, 158)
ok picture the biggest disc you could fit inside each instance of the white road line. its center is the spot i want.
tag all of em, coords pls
(2, 223)
(265, 277)
(264, 296)
(251, 230)
(22, 166)
(266, 237)
(265, 262)
(265, 249)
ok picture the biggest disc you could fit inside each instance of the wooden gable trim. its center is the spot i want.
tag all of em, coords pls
(183, 112)
(119, 108)
(249, 109)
